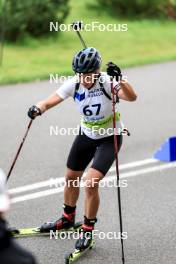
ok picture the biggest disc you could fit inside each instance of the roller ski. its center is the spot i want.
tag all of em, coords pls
(82, 245)
(65, 224)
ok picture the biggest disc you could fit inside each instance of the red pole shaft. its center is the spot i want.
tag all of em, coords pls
(19, 149)
(117, 168)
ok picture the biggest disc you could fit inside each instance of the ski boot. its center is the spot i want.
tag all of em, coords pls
(86, 235)
(66, 222)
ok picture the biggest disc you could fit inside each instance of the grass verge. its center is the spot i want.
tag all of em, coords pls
(146, 41)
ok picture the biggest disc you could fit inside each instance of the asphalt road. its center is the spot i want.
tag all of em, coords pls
(149, 200)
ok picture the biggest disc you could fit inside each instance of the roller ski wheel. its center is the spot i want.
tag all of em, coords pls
(78, 253)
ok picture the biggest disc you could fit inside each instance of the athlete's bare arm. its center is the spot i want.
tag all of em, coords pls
(126, 92)
(48, 103)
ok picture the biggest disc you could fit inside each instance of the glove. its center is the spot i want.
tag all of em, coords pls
(114, 71)
(34, 111)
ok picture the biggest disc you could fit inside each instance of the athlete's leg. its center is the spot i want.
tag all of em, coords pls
(103, 160)
(71, 190)
(81, 153)
(92, 199)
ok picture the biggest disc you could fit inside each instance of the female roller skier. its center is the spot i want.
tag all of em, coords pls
(91, 90)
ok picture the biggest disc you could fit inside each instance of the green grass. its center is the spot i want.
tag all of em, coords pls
(146, 41)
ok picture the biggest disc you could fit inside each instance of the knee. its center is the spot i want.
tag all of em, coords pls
(72, 177)
(92, 180)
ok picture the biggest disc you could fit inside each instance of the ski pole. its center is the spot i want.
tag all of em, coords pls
(117, 170)
(77, 26)
(19, 149)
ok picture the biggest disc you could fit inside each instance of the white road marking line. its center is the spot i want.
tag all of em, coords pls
(58, 181)
(135, 164)
(110, 178)
(37, 185)
(144, 171)
(36, 195)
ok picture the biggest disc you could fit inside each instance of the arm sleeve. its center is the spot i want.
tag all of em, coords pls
(67, 89)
